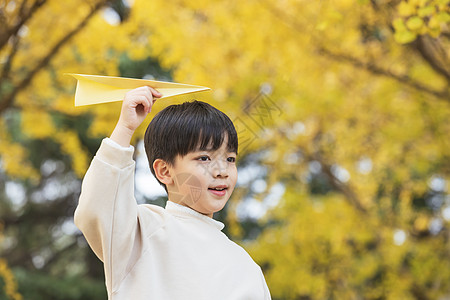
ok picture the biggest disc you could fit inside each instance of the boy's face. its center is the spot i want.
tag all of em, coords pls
(203, 180)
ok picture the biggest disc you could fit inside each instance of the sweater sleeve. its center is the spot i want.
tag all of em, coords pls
(108, 215)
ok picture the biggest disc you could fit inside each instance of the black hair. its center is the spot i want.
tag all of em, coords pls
(187, 127)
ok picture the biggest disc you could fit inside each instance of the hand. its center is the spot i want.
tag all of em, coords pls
(136, 105)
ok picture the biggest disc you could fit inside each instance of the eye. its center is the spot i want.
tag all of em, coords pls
(231, 159)
(203, 158)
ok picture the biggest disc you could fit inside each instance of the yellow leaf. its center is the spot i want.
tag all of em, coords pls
(434, 32)
(322, 26)
(406, 9)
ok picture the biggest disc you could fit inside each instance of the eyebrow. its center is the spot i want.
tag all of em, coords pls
(213, 150)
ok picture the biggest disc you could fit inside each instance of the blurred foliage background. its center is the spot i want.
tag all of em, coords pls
(342, 110)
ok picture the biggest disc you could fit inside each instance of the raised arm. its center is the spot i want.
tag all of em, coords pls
(107, 212)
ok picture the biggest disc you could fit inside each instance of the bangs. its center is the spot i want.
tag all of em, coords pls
(206, 131)
(211, 139)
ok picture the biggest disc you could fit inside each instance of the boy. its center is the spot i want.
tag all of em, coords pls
(178, 252)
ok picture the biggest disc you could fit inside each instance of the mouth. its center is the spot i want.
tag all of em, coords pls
(219, 190)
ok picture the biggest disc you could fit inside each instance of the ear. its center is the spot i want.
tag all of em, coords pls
(162, 171)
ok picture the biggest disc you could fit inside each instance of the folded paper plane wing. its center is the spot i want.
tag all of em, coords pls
(93, 89)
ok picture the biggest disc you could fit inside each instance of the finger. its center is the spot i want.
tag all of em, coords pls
(147, 90)
(142, 100)
(150, 98)
(148, 103)
(155, 93)
(142, 91)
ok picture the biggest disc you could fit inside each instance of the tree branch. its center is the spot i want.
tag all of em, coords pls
(291, 21)
(9, 99)
(405, 79)
(24, 17)
(432, 51)
(341, 187)
(7, 67)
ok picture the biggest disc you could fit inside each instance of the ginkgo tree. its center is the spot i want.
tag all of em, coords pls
(345, 104)
(38, 136)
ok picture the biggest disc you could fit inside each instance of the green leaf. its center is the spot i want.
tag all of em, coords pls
(414, 23)
(444, 17)
(426, 11)
(398, 24)
(404, 37)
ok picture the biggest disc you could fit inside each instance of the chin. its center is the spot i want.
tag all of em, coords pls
(212, 208)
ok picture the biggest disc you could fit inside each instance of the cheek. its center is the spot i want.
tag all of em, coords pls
(188, 188)
(234, 175)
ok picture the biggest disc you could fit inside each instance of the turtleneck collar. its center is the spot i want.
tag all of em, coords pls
(178, 209)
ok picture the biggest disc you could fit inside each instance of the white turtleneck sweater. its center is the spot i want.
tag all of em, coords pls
(154, 253)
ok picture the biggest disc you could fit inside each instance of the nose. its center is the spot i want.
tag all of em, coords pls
(220, 169)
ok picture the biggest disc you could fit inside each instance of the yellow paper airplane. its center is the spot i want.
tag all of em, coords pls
(93, 89)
